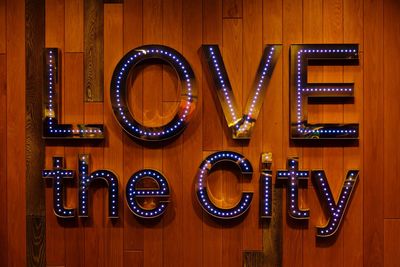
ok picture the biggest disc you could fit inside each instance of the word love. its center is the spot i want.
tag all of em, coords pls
(301, 56)
(135, 191)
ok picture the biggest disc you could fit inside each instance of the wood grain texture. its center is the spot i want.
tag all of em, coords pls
(212, 134)
(353, 227)
(74, 17)
(185, 236)
(292, 15)
(391, 110)
(73, 112)
(3, 42)
(373, 132)
(93, 42)
(113, 146)
(172, 151)
(16, 169)
(232, 180)
(391, 235)
(152, 115)
(55, 234)
(3, 159)
(133, 151)
(35, 235)
(232, 8)
(252, 52)
(34, 144)
(193, 253)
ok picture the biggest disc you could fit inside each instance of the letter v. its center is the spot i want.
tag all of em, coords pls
(241, 125)
(335, 210)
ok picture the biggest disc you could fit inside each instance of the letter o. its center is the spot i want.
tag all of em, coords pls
(118, 92)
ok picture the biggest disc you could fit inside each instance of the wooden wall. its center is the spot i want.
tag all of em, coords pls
(186, 236)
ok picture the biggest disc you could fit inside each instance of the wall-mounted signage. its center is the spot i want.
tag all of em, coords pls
(240, 124)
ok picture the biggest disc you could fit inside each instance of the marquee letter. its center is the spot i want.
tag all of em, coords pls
(241, 125)
(302, 56)
(201, 185)
(118, 92)
(51, 127)
(335, 210)
(84, 183)
(266, 185)
(58, 173)
(161, 192)
(293, 175)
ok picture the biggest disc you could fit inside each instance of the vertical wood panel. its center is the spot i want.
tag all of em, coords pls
(292, 29)
(94, 225)
(133, 152)
(313, 16)
(391, 237)
(34, 144)
(152, 115)
(391, 108)
(232, 8)
(373, 132)
(252, 52)
(172, 152)
(232, 233)
(3, 160)
(213, 132)
(3, 39)
(193, 253)
(212, 112)
(74, 112)
(74, 26)
(113, 146)
(93, 41)
(352, 227)
(54, 37)
(16, 198)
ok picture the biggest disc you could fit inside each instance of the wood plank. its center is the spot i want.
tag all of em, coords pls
(113, 146)
(93, 42)
(313, 16)
(3, 39)
(74, 26)
(55, 14)
(192, 254)
(391, 237)
(152, 111)
(16, 171)
(252, 52)
(373, 133)
(212, 111)
(34, 144)
(273, 134)
(232, 8)
(331, 250)
(133, 258)
(353, 222)
(214, 126)
(133, 151)
(172, 151)
(232, 181)
(3, 159)
(94, 225)
(35, 235)
(391, 109)
(74, 112)
(54, 37)
(293, 231)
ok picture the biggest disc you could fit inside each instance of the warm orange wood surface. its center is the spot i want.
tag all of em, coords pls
(186, 236)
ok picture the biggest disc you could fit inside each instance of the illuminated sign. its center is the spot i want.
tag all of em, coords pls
(137, 193)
